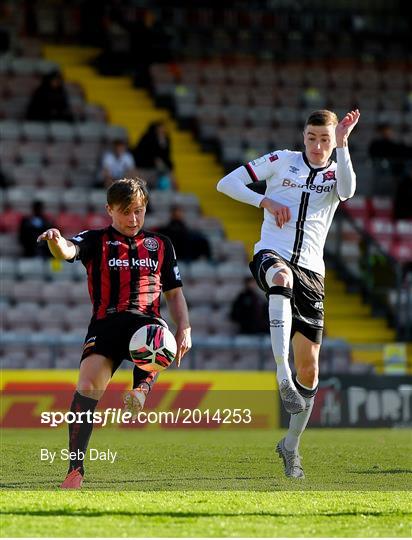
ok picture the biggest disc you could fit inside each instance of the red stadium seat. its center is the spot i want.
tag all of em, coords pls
(10, 220)
(402, 251)
(382, 207)
(403, 229)
(381, 228)
(357, 207)
(95, 220)
(70, 223)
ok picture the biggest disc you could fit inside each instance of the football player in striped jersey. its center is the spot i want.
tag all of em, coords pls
(301, 192)
(128, 268)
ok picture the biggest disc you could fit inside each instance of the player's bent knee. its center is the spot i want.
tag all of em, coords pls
(90, 388)
(279, 275)
(309, 376)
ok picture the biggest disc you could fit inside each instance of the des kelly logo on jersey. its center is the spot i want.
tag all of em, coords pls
(134, 263)
(273, 157)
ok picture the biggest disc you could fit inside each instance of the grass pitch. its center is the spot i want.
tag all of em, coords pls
(210, 483)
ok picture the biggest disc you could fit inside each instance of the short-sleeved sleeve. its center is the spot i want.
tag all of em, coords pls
(170, 274)
(266, 166)
(86, 243)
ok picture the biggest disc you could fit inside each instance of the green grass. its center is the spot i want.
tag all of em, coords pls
(210, 483)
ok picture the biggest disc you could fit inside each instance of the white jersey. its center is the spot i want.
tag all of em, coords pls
(310, 193)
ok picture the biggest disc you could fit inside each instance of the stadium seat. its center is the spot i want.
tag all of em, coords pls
(403, 229)
(27, 290)
(54, 175)
(357, 207)
(202, 271)
(228, 291)
(78, 292)
(59, 153)
(59, 270)
(112, 132)
(10, 130)
(56, 292)
(199, 293)
(22, 317)
(75, 198)
(31, 153)
(12, 357)
(86, 152)
(20, 198)
(381, 228)
(9, 245)
(200, 320)
(90, 132)
(69, 223)
(228, 270)
(52, 316)
(78, 316)
(31, 267)
(35, 131)
(402, 251)
(8, 270)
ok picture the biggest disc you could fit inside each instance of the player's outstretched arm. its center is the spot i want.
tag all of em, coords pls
(59, 247)
(177, 306)
(345, 127)
(345, 175)
(234, 185)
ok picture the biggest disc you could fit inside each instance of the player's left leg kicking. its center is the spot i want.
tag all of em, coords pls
(306, 355)
(134, 399)
(95, 374)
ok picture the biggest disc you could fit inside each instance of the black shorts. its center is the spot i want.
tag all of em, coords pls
(111, 336)
(308, 293)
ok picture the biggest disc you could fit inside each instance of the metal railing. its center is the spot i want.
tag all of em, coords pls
(383, 281)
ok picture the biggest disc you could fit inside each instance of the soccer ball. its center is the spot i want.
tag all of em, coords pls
(153, 347)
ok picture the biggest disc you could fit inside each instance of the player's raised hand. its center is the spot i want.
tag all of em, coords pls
(52, 235)
(346, 125)
(280, 211)
(184, 343)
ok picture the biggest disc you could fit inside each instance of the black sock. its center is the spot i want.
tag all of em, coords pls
(305, 392)
(143, 377)
(79, 433)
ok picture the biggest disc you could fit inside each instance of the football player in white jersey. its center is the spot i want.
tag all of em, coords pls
(302, 192)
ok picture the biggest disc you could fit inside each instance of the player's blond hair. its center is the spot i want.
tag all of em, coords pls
(323, 117)
(127, 191)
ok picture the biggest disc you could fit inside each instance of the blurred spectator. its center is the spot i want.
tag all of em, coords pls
(189, 244)
(149, 43)
(250, 310)
(10, 219)
(49, 102)
(30, 228)
(386, 151)
(132, 39)
(116, 163)
(152, 156)
(95, 220)
(402, 207)
(4, 181)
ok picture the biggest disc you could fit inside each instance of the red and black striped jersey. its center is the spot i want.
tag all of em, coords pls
(127, 273)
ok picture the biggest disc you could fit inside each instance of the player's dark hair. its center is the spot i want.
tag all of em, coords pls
(126, 191)
(323, 117)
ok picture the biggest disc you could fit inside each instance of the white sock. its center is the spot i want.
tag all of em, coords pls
(297, 425)
(280, 318)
